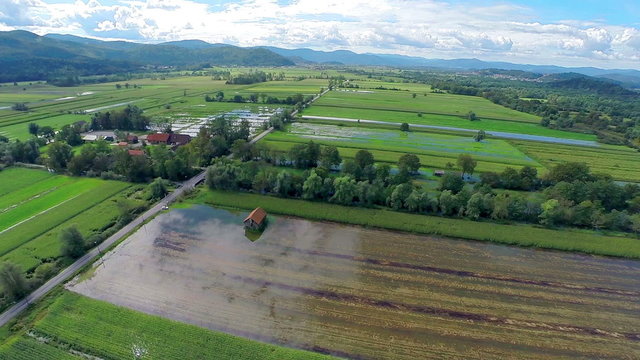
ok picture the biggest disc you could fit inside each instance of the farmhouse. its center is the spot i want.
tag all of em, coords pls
(169, 139)
(159, 138)
(256, 220)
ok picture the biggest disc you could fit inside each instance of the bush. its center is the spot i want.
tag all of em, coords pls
(45, 271)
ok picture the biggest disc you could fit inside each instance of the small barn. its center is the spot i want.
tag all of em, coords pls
(256, 220)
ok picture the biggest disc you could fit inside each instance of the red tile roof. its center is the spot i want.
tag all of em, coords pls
(257, 215)
(159, 138)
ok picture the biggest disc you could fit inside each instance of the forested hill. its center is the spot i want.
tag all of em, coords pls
(25, 56)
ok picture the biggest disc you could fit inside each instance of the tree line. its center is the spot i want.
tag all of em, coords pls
(571, 195)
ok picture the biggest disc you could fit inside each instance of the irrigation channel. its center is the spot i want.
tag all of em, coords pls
(372, 294)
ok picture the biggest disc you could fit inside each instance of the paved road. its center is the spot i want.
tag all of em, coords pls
(500, 134)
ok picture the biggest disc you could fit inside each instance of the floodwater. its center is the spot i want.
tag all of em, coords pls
(371, 294)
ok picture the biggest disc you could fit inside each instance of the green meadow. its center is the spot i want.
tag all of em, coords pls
(425, 102)
(77, 327)
(32, 215)
(620, 162)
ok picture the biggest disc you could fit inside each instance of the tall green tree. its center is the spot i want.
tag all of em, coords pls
(467, 164)
(59, 153)
(313, 186)
(330, 157)
(72, 242)
(13, 281)
(409, 163)
(158, 189)
(363, 159)
(345, 190)
(33, 129)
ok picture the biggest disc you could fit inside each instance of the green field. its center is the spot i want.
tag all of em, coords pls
(32, 216)
(95, 328)
(621, 162)
(444, 120)
(432, 103)
(434, 150)
(521, 235)
(16, 178)
(172, 98)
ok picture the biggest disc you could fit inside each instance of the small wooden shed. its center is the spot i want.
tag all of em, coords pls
(256, 220)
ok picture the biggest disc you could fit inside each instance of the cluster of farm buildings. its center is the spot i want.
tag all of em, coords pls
(133, 142)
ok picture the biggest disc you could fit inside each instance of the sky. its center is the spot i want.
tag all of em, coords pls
(599, 33)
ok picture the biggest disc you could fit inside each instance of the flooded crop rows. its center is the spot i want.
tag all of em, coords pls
(370, 294)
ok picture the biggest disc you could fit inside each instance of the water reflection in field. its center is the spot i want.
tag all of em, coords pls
(373, 294)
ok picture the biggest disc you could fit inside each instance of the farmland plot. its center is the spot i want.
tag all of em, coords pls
(443, 120)
(32, 216)
(345, 290)
(429, 103)
(435, 150)
(621, 162)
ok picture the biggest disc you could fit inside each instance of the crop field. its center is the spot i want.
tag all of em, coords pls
(76, 327)
(435, 150)
(621, 162)
(326, 287)
(31, 216)
(444, 120)
(169, 98)
(16, 178)
(425, 102)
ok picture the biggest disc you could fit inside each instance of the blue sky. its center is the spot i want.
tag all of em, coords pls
(561, 32)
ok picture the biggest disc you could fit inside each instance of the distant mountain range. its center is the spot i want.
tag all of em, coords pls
(627, 77)
(27, 56)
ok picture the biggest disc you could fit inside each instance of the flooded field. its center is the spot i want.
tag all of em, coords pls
(191, 126)
(370, 294)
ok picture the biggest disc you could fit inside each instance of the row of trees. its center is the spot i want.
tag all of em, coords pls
(262, 97)
(589, 201)
(129, 118)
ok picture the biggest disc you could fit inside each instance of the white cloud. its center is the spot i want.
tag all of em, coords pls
(430, 28)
